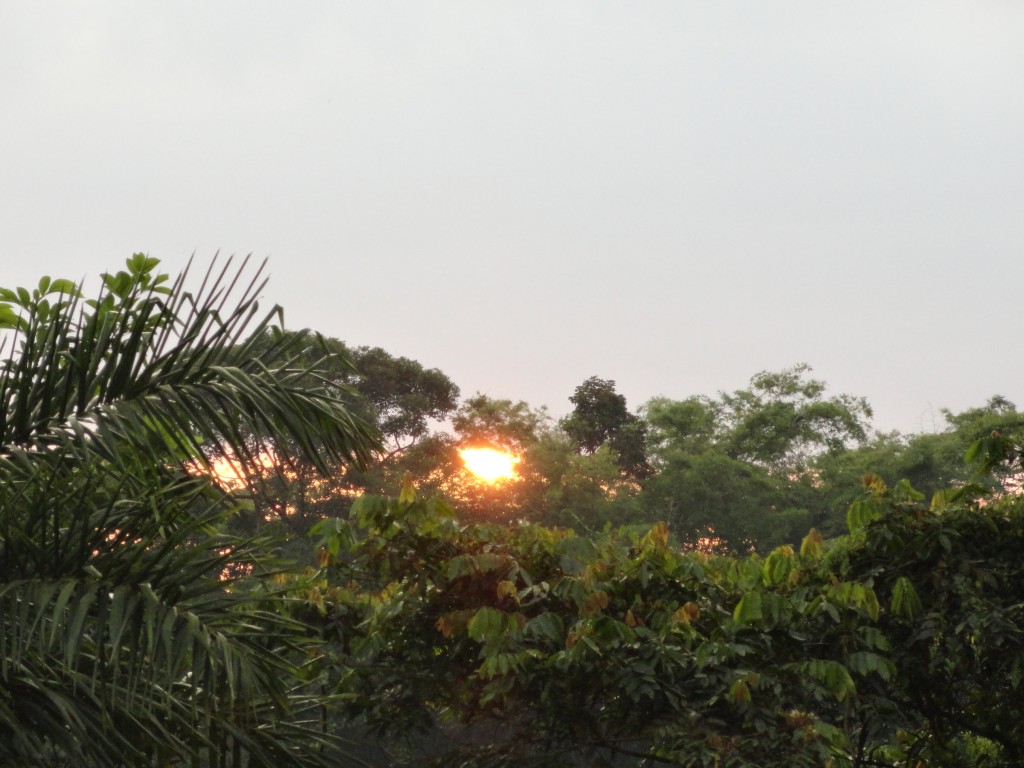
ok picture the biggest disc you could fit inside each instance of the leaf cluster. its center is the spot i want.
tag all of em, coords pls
(133, 629)
(596, 650)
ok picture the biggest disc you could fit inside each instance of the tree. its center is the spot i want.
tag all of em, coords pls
(949, 574)
(400, 398)
(901, 644)
(404, 400)
(485, 422)
(585, 492)
(740, 468)
(404, 397)
(712, 500)
(529, 646)
(134, 631)
(497, 423)
(396, 395)
(929, 461)
(554, 483)
(783, 420)
(600, 417)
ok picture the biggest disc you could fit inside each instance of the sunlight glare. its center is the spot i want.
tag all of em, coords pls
(489, 464)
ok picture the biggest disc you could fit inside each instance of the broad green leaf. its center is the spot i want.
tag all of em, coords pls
(812, 545)
(904, 491)
(739, 692)
(408, 493)
(748, 609)
(905, 600)
(988, 452)
(470, 565)
(487, 624)
(863, 512)
(8, 317)
(546, 626)
(778, 566)
(865, 662)
(833, 676)
(577, 552)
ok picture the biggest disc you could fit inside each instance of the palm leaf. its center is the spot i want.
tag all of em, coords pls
(124, 637)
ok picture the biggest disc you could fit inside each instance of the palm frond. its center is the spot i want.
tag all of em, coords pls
(126, 634)
(169, 372)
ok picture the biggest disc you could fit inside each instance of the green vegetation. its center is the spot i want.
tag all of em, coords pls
(134, 630)
(753, 578)
(899, 645)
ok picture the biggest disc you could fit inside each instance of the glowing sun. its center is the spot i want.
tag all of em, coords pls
(488, 464)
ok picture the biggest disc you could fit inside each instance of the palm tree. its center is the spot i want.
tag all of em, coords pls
(133, 630)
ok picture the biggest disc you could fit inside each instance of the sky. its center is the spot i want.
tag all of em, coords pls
(673, 195)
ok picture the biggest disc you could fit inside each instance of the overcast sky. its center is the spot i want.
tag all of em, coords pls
(674, 195)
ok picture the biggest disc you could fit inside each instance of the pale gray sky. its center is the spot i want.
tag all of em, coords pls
(674, 195)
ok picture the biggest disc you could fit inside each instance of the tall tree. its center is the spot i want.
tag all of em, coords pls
(783, 419)
(930, 461)
(737, 468)
(403, 396)
(498, 423)
(600, 417)
(133, 631)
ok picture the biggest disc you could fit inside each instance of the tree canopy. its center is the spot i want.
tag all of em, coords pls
(528, 646)
(600, 417)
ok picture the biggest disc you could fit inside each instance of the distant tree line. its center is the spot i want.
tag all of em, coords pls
(738, 471)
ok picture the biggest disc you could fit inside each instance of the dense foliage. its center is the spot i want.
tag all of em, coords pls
(133, 630)
(899, 645)
(644, 592)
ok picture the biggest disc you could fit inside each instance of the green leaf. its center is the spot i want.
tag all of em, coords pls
(120, 642)
(942, 498)
(778, 566)
(739, 692)
(408, 493)
(904, 491)
(487, 624)
(905, 601)
(748, 609)
(8, 317)
(989, 452)
(141, 264)
(863, 512)
(831, 675)
(64, 287)
(865, 662)
(469, 565)
(812, 545)
(577, 552)
(546, 626)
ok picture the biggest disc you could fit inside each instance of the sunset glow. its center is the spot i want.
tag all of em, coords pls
(489, 464)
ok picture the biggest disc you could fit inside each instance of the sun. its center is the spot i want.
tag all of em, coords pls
(488, 464)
